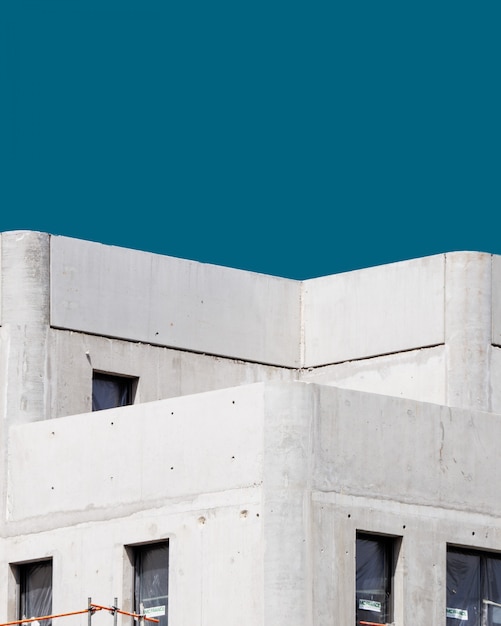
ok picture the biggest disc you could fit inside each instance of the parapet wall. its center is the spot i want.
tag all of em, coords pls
(144, 297)
(116, 292)
(348, 329)
(376, 311)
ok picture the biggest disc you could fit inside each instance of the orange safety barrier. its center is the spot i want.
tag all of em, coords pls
(114, 609)
(91, 609)
(39, 619)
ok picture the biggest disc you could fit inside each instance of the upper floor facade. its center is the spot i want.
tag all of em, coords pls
(427, 329)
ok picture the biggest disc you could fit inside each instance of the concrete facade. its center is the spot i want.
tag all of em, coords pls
(272, 420)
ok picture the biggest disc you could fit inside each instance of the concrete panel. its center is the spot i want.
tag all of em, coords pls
(375, 311)
(25, 318)
(496, 299)
(209, 560)
(468, 328)
(162, 372)
(288, 578)
(420, 577)
(416, 374)
(135, 455)
(275, 526)
(406, 451)
(117, 292)
(495, 374)
(365, 444)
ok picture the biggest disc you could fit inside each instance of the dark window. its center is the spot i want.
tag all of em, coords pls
(473, 588)
(35, 590)
(110, 391)
(374, 558)
(151, 578)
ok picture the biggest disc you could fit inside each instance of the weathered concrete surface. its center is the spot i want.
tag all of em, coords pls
(268, 487)
(414, 374)
(496, 300)
(137, 455)
(24, 316)
(134, 295)
(422, 329)
(441, 456)
(188, 470)
(260, 483)
(374, 311)
(161, 372)
(468, 323)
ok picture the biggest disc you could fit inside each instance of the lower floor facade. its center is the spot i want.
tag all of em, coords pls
(268, 504)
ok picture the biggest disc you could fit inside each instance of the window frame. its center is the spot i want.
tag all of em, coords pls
(131, 575)
(482, 606)
(20, 573)
(389, 545)
(129, 384)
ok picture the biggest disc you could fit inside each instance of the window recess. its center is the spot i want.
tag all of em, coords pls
(375, 556)
(111, 390)
(34, 582)
(473, 588)
(151, 580)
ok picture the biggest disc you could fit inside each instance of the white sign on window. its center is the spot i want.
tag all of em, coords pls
(461, 614)
(155, 611)
(369, 605)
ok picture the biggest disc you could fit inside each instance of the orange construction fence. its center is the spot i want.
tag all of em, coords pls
(90, 610)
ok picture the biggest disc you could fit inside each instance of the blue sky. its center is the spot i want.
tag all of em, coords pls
(294, 139)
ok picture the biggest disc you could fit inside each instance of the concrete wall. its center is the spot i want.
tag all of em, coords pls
(261, 490)
(215, 555)
(161, 372)
(375, 311)
(189, 470)
(419, 472)
(496, 300)
(422, 329)
(24, 318)
(415, 374)
(468, 329)
(134, 457)
(116, 292)
(47, 372)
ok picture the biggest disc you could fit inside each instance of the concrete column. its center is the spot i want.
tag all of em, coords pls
(24, 318)
(288, 579)
(468, 285)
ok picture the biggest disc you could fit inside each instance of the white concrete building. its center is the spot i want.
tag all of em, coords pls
(207, 446)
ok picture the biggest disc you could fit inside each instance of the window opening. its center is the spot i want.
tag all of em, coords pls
(473, 588)
(151, 577)
(374, 564)
(35, 590)
(110, 391)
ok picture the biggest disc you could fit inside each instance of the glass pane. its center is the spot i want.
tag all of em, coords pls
(491, 590)
(151, 581)
(109, 392)
(463, 589)
(36, 591)
(373, 580)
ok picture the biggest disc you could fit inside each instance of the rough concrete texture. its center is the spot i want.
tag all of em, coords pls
(379, 310)
(261, 490)
(134, 295)
(420, 329)
(273, 419)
